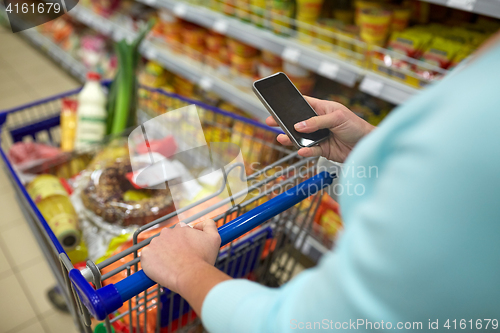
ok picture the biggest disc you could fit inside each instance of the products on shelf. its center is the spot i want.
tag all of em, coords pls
(53, 201)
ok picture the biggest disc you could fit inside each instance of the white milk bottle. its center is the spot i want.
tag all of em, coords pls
(91, 112)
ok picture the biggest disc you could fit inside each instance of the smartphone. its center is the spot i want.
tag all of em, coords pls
(288, 107)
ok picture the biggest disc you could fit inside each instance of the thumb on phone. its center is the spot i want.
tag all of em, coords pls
(328, 121)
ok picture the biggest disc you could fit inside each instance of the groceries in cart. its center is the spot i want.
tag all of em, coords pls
(52, 199)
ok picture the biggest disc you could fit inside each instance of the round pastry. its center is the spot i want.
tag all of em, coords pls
(110, 195)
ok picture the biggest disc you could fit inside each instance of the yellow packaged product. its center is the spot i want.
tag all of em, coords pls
(241, 49)
(243, 65)
(306, 32)
(440, 52)
(400, 18)
(243, 11)
(349, 32)
(68, 123)
(466, 36)
(308, 10)
(460, 56)
(215, 41)
(326, 36)
(258, 9)
(53, 202)
(270, 59)
(242, 136)
(154, 75)
(361, 5)
(281, 14)
(410, 43)
(228, 7)
(346, 16)
(374, 25)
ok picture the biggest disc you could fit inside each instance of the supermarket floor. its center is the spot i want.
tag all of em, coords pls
(25, 75)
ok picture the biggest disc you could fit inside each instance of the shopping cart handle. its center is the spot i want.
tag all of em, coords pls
(110, 298)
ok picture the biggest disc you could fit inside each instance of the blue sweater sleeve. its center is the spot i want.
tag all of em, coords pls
(421, 237)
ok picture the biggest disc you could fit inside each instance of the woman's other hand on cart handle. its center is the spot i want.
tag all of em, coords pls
(182, 260)
(347, 129)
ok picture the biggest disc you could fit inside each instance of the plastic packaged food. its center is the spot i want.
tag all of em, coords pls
(440, 52)
(54, 204)
(26, 154)
(107, 194)
(68, 124)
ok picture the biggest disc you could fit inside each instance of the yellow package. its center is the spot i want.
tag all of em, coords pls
(440, 52)
(410, 43)
(461, 56)
(68, 123)
(154, 75)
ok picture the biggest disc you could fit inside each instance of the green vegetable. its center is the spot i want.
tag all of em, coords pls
(122, 101)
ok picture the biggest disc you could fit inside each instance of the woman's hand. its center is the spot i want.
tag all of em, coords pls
(181, 253)
(346, 127)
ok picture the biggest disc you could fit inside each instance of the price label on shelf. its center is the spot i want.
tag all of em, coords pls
(328, 69)
(291, 54)
(220, 26)
(371, 86)
(467, 5)
(206, 83)
(180, 10)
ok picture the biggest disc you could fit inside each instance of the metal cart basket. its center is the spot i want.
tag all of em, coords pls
(264, 237)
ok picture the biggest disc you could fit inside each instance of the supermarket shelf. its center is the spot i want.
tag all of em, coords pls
(321, 63)
(70, 64)
(486, 7)
(175, 63)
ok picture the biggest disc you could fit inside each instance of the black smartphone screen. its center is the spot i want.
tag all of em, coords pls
(289, 106)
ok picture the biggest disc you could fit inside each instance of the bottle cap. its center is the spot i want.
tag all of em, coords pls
(93, 76)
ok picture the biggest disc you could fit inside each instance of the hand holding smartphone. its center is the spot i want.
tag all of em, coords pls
(287, 106)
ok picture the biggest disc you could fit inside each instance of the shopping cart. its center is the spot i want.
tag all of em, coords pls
(263, 237)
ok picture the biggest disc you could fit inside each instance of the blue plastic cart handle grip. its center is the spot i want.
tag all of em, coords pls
(110, 298)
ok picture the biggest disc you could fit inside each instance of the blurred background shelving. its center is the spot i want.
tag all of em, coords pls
(369, 55)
